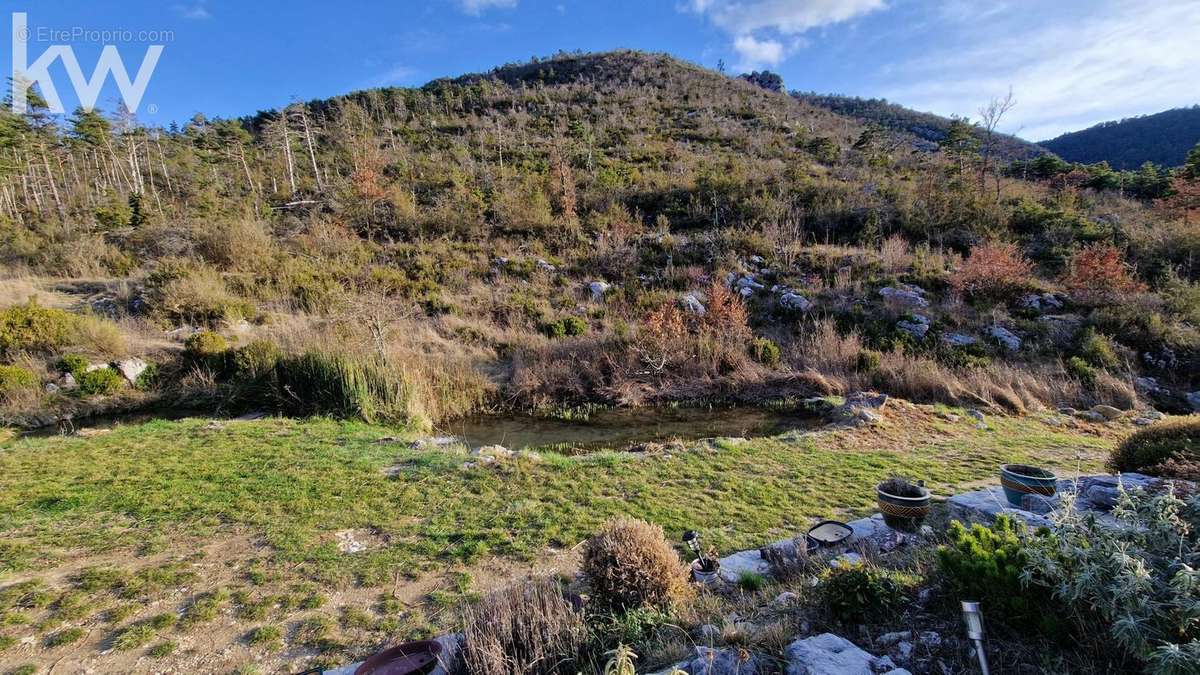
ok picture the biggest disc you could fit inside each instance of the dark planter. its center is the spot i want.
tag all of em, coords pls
(1019, 480)
(902, 513)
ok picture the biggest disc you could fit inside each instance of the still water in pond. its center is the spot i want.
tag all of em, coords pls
(618, 429)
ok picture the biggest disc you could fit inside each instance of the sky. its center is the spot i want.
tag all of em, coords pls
(1069, 63)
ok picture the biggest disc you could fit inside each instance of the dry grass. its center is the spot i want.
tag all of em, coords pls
(629, 564)
(528, 628)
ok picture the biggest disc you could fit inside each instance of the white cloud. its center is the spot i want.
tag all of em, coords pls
(757, 26)
(1117, 59)
(396, 75)
(757, 53)
(196, 12)
(789, 17)
(478, 7)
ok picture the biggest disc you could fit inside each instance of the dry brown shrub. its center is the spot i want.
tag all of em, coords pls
(101, 337)
(1098, 274)
(528, 628)
(629, 564)
(243, 244)
(994, 270)
(895, 255)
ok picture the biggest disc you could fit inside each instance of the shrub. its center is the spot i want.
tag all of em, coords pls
(993, 271)
(33, 328)
(13, 378)
(855, 592)
(1079, 369)
(1098, 350)
(867, 361)
(100, 381)
(163, 649)
(65, 637)
(147, 378)
(75, 364)
(256, 359)
(571, 325)
(1161, 450)
(206, 344)
(629, 564)
(1097, 273)
(1134, 585)
(321, 383)
(985, 564)
(765, 352)
(526, 628)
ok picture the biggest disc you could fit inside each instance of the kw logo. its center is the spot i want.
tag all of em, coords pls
(87, 90)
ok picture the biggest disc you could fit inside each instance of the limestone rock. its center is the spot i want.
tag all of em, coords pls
(692, 304)
(795, 301)
(733, 661)
(598, 289)
(917, 326)
(1005, 337)
(491, 453)
(131, 368)
(958, 339)
(829, 654)
(905, 296)
(1107, 411)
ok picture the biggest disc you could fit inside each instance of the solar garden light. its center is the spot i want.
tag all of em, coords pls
(692, 539)
(973, 618)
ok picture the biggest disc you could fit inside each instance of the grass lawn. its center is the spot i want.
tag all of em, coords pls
(122, 529)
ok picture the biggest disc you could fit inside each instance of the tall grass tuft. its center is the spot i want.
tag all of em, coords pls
(337, 384)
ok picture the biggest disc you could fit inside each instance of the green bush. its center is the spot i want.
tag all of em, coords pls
(147, 378)
(1080, 370)
(1170, 448)
(13, 378)
(1098, 350)
(985, 564)
(321, 383)
(868, 361)
(100, 381)
(75, 364)
(256, 359)
(33, 328)
(571, 325)
(206, 344)
(856, 592)
(766, 352)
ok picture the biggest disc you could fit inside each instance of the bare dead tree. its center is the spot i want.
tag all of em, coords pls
(990, 117)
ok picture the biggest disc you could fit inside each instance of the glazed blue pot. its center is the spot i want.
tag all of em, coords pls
(1019, 480)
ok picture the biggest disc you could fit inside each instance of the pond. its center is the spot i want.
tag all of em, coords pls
(621, 428)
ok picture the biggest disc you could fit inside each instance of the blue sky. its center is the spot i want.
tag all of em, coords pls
(1070, 63)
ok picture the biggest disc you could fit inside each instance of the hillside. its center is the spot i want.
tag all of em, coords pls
(588, 229)
(1162, 138)
(930, 129)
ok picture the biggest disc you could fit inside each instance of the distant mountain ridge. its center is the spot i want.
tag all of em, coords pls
(1162, 138)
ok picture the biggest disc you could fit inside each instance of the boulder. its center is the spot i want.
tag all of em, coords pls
(131, 369)
(743, 562)
(958, 339)
(916, 326)
(1107, 411)
(545, 266)
(1005, 337)
(598, 289)
(491, 453)
(860, 408)
(67, 382)
(795, 301)
(905, 296)
(692, 304)
(749, 282)
(732, 661)
(829, 654)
